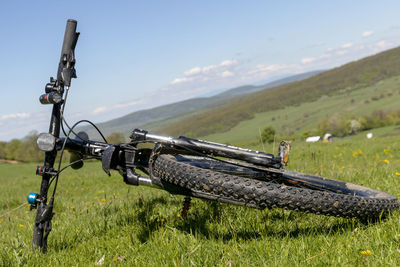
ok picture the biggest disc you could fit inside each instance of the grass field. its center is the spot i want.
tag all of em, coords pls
(98, 216)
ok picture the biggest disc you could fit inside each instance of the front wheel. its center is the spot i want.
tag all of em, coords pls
(224, 182)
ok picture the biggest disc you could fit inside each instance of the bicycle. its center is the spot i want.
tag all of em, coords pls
(189, 167)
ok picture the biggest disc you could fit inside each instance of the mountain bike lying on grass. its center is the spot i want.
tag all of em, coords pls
(189, 167)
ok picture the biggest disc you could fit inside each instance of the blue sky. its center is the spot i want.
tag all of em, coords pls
(133, 55)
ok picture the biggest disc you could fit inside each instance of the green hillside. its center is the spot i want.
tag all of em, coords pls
(343, 80)
(384, 95)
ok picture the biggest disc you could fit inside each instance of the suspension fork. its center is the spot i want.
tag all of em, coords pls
(192, 146)
(44, 213)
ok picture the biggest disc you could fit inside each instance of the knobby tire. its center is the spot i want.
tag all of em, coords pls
(209, 183)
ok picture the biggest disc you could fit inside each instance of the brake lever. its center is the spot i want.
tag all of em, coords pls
(106, 159)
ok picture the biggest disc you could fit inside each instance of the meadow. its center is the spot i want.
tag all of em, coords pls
(99, 217)
(384, 95)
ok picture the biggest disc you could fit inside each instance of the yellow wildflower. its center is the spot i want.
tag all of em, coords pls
(101, 192)
(72, 207)
(77, 230)
(27, 211)
(397, 173)
(179, 215)
(21, 225)
(103, 200)
(366, 252)
(398, 194)
(162, 220)
(114, 259)
(386, 161)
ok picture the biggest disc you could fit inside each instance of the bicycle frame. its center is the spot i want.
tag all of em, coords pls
(122, 157)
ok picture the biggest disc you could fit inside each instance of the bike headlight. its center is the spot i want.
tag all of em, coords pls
(46, 142)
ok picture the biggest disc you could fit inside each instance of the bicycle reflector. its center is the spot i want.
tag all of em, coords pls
(46, 142)
(50, 98)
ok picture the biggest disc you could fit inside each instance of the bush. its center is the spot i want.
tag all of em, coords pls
(352, 124)
(268, 134)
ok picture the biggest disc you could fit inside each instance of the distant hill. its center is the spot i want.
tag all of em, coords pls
(348, 77)
(251, 88)
(296, 120)
(158, 117)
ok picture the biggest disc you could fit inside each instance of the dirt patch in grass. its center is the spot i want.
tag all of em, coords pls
(9, 161)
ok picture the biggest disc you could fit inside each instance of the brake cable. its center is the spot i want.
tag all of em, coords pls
(71, 129)
(56, 176)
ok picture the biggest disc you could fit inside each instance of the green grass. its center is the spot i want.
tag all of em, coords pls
(98, 215)
(296, 119)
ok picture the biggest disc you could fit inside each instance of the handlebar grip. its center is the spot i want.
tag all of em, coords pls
(69, 38)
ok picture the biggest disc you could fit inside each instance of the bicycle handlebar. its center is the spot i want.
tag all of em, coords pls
(69, 38)
(66, 69)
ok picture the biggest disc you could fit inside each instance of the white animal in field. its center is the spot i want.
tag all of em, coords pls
(313, 139)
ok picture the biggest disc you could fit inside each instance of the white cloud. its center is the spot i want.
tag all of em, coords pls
(193, 71)
(307, 60)
(226, 74)
(266, 68)
(367, 34)
(227, 63)
(325, 56)
(208, 69)
(383, 44)
(263, 72)
(18, 125)
(15, 116)
(99, 110)
(222, 70)
(341, 52)
(127, 104)
(347, 45)
(103, 109)
(203, 77)
(181, 80)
